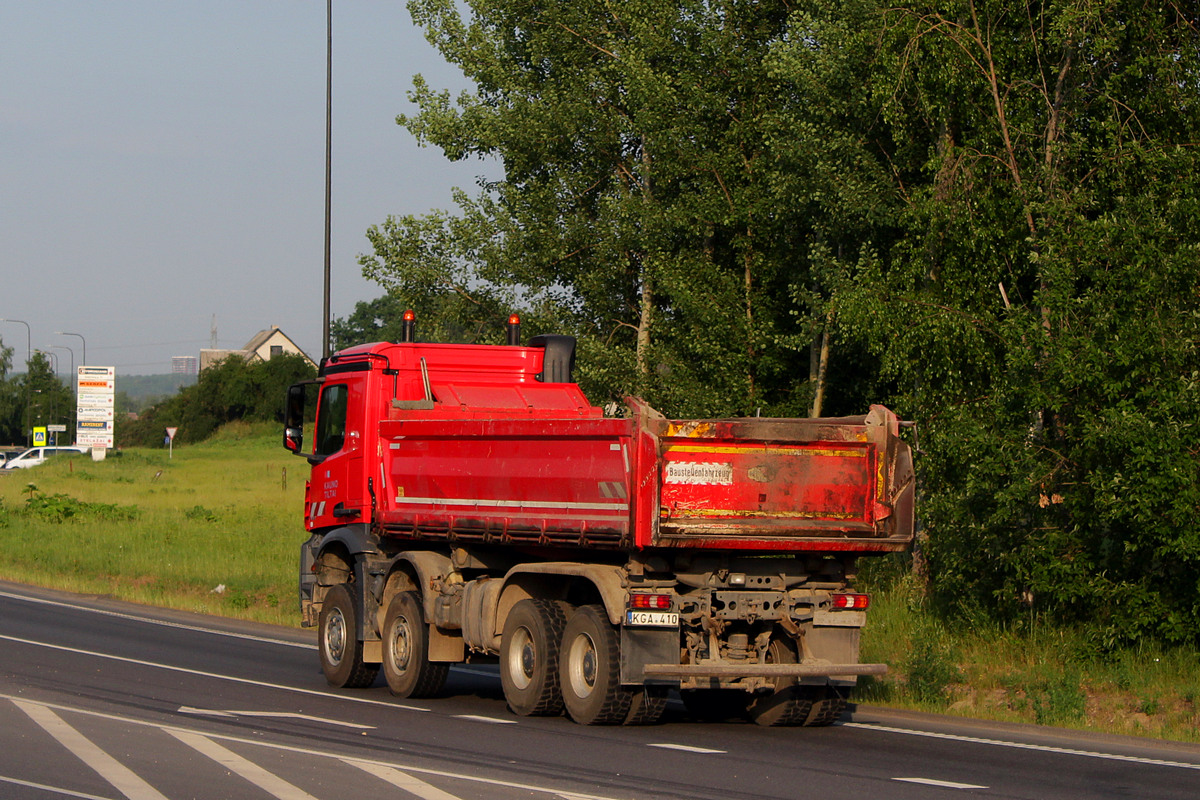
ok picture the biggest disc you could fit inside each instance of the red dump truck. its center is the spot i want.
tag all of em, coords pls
(467, 503)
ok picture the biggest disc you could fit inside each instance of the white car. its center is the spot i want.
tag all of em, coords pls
(38, 455)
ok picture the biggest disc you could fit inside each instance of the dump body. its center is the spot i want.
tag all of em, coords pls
(499, 457)
(481, 481)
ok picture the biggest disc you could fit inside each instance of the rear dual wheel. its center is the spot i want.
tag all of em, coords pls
(591, 670)
(792, 703)
(529, 655)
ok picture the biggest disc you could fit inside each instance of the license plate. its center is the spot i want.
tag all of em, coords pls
(661, 619)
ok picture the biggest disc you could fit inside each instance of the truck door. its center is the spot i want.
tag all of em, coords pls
(336, 490)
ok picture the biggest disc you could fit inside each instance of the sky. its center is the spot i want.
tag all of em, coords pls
(162, 169)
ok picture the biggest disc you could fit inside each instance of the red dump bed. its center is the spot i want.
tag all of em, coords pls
(466, 443)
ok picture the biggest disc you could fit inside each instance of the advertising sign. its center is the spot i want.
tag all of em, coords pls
(95, 389)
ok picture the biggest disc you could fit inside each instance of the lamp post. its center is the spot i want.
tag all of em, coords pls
(53, 361)
(70, 421)
(69, 350)
(83, 360)
(328, 172)
(28, 358)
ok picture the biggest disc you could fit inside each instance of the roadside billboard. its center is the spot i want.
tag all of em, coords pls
(95, 391)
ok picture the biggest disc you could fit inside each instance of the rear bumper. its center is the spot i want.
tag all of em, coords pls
(762, 670)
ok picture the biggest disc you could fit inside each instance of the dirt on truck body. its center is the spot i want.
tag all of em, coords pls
(467, 502)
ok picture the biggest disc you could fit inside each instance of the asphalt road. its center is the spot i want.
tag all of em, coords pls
(101, 699)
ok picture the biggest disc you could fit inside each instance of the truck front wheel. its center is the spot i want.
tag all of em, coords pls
(406, 664)
(341, 651)
(591, 669)
(529, 653)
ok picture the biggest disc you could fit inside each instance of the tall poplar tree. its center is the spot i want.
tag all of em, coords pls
(638, 206)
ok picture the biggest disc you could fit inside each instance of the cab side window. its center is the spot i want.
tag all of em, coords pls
(331, 419)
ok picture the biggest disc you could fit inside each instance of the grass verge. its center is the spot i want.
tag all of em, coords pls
(1030, 672)
(216, 528)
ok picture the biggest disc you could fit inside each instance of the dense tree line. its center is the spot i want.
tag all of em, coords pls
(982, 213)
(234, 389)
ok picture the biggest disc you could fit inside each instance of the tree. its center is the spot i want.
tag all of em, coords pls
(1030, 296)
(11, 408)
(231, 390)
(50, 402)
(638, 208)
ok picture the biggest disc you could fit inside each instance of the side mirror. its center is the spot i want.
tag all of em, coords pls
(293, 419)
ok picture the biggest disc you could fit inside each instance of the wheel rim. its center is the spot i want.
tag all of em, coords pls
(401, 643)
(335, 636)
(582, 665)
(522, 658)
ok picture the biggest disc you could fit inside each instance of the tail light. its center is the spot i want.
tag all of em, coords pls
(653, 602)
(855, 601)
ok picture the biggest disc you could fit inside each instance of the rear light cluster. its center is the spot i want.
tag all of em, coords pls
(654, 602)
(856, 601)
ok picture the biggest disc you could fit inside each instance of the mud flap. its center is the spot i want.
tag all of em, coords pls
(642, 646)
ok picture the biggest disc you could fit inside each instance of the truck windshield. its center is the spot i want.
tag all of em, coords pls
(331, 419)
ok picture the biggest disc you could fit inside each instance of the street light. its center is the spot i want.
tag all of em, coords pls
(72, 352)
(83, 362)
(328, 173)
(53, 361)
(28, 347)
(69, 350)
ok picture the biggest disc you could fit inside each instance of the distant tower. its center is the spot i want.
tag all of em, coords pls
(212, 334)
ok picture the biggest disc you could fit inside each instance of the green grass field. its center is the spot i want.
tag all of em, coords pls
(217, 529)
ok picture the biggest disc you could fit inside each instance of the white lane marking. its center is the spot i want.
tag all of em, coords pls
(152, 621)
(51, 789)
(401, 780)
(687, 748)
(492, 720)
(267, 781)
(1044, 748)
(308, 751)
(120, 776)
(212, 712)
(214, 675)
(941, 784)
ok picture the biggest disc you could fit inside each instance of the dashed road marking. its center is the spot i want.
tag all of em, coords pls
(940, 784)
(212, 712)
(687, 748)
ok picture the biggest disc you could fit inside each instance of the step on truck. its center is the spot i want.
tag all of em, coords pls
(467, 503)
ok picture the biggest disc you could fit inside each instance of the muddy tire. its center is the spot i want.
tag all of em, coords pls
(788, 704)
(647, 706)
(590, 665)
(406, 664)
(340, 650)
(828, 703)
(529, 657)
